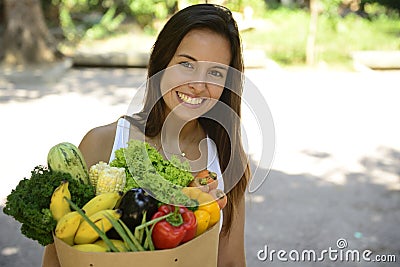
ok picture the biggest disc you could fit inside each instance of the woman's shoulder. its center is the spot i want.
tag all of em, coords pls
(101, 133)
(97, 144)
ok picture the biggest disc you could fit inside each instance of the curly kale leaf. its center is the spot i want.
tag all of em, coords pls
(29, 202)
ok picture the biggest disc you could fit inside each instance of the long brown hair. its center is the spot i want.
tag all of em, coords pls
(223, 128)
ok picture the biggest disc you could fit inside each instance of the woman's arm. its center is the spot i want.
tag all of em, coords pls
(231, 252)
(97, 144)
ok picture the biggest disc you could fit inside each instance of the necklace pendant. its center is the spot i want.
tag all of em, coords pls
(183, 154)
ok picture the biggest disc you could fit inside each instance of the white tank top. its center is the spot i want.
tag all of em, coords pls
(122, 133)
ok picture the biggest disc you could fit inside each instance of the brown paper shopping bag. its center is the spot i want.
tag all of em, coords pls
(199, 252)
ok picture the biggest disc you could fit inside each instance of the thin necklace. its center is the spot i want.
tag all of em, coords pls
(182, 153)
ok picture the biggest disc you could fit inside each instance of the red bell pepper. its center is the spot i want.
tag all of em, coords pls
(179, 228)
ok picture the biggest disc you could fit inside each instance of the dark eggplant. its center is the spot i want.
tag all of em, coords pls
(133, 204)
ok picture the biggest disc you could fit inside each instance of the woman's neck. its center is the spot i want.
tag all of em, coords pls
(183, 139)
(190, 129)
(175, 129)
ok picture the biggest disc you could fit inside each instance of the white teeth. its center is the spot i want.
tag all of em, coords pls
(190, 100)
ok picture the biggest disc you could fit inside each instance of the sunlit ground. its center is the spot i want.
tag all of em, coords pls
(327, 123)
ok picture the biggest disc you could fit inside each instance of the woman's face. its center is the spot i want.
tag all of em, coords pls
(195, 77)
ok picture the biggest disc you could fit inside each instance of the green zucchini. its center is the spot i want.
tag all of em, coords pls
(67, 158)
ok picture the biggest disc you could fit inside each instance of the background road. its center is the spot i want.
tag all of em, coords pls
(335, 172)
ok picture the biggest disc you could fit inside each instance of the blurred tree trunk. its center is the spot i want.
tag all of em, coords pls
(27, 39)
(312, 33)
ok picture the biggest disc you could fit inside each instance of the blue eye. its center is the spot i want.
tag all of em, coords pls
(216, 73)
(187, 64)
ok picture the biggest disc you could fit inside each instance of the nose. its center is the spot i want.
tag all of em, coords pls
(198, 81)
(197, 87)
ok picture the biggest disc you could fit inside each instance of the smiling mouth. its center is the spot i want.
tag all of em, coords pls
(190, 100)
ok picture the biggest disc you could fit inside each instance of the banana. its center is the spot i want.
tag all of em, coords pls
(67, 226)
(90, 248)
(103, 201)
(86, 234)
(119, 244)
(58, 205)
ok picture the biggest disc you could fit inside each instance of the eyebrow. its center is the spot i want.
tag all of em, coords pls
(187, 56)
(194, 59)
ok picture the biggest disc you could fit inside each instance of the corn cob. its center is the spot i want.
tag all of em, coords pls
(107, 179)
(94, 172)
(111, 179)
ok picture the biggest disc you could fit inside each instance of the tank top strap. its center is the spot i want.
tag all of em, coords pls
(213, 165)
(121, 136)
(213, 162)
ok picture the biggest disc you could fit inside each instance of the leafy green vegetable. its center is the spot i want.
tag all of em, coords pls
(146, 168)
(29, 202)
(175, 171)
(120, 162)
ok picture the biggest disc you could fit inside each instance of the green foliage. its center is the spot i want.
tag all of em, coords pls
(259, 6)
(145, 11)
(283, 38)
(108, 23)
(388, 4)
(330, 7)
(94, 19)
(377, 10)
(67, 24)
(88, 19)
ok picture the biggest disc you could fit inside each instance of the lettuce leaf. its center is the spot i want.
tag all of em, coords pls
(146, 168)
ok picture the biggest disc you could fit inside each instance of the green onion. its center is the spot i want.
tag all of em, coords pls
(154, 221)
(138, 234)
(122, 233)
(142, 231)
(133, 238)
(148, 240)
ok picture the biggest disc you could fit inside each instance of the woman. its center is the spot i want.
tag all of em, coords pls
(193, 94)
